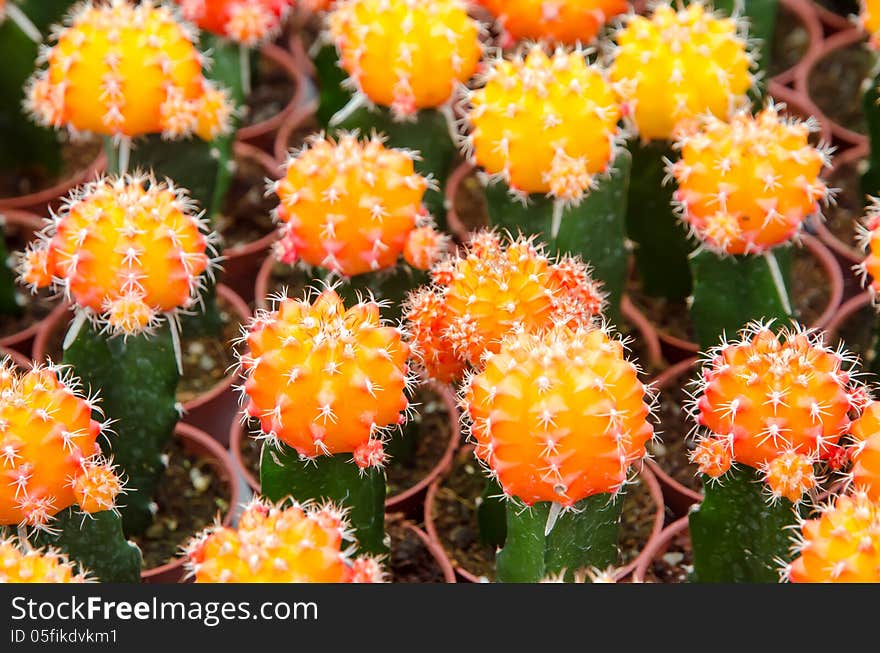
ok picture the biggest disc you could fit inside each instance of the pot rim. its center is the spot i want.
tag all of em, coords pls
(39, 199)
(833, 21)
(18, 359)
(658, 547)
(846, 311)
(808, 17)
(280, 148)
(434, 549)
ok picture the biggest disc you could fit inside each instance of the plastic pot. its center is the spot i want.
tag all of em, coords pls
(805, 12)
(658, 547)
(38, 202)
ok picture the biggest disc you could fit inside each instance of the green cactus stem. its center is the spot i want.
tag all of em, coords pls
(96, 543)
(736, 535)
(583, 538)
(871, 107)
(661, 243)
(492, 515)
(8, 296)
(595, 230)
(731, 291)
(138, 378)
(283, 474)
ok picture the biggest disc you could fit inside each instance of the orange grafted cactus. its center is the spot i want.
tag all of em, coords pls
(406, 54)
(747, 185)
(777, 403)
(869, 235)
(840, 546)
(425, 247)
(126, 250)
(248, 22)
(679, 64)
(489, 290)
(349, 205)
(19, 563)
(124, 69)
(865, 451)
(49, 457)
(558, 416)
(275, 544)
(566, 21)
(870, 20)
(568, 102)
(326, 380)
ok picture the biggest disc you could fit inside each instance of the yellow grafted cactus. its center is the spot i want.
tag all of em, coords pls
(249, 22)
(869, 235)
(127, 69)
(406, 54)
(778, 403)
(864, 451)
(679, 64)
(747, 185)
(840, 546)
(126, 250)
(870, 20)
(565, 21)
(568, 102)
(20, 563)
(324, 379)
(558, 416)
(490, 289)
(49, 457)
(274, 544)
(348, 205)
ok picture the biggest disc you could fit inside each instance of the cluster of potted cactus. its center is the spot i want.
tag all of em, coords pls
(441, 308)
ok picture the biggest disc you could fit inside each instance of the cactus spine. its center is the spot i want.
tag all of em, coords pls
(20, 563)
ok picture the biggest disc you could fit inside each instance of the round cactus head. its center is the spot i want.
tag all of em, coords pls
(558, 416)
(276, 544)
(324, 379)
(568, 102)
(490, 289)
(778, 403)
(842, 545)
(678, 64)
(864, 451)
(869, 17)
(747, 185)
(249, 22)
(406, 54)
(564, 21)
(869, 235)
(49, 457)
(349, 205)
(126, 250)
(124, 69)
(20, 563)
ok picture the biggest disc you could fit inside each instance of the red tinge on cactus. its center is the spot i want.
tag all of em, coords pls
(864, 451)
(748, 184)
(49, 457)
(248, 22)
(298, 543)
(324, 379)
(566, 21)
(778, 403)
(490, 289)
(349, 205)
(558, 416)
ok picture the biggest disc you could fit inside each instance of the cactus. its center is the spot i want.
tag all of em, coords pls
(864, 452)
(20, 563)
(768, 408)
(53, 470)
(404, 60)
(672, 66)
(327, 384)
(8, 298)
(744, 189)
(842, 545)
(351, 208)
(558, 418)
(275, 543)
(568, 187)
(568, 21)
(491, 289)
(130, 255)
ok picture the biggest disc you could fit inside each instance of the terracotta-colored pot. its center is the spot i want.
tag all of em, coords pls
(456, 226)
(658, 548)
(620, 574)
(839, 41)
(212, 411)
(800, 105)
(805, 12)
(303, 119)
(27, 225)
(51, 197)
(199, 443)
(847, 310)
(677, 497)
(647, 333)
(436, 551)
(848, 252)
(832, 21)
(676, 349)
(300, 53)
(262, 133)
(241, 262)
(18, 359)
(410, 500)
